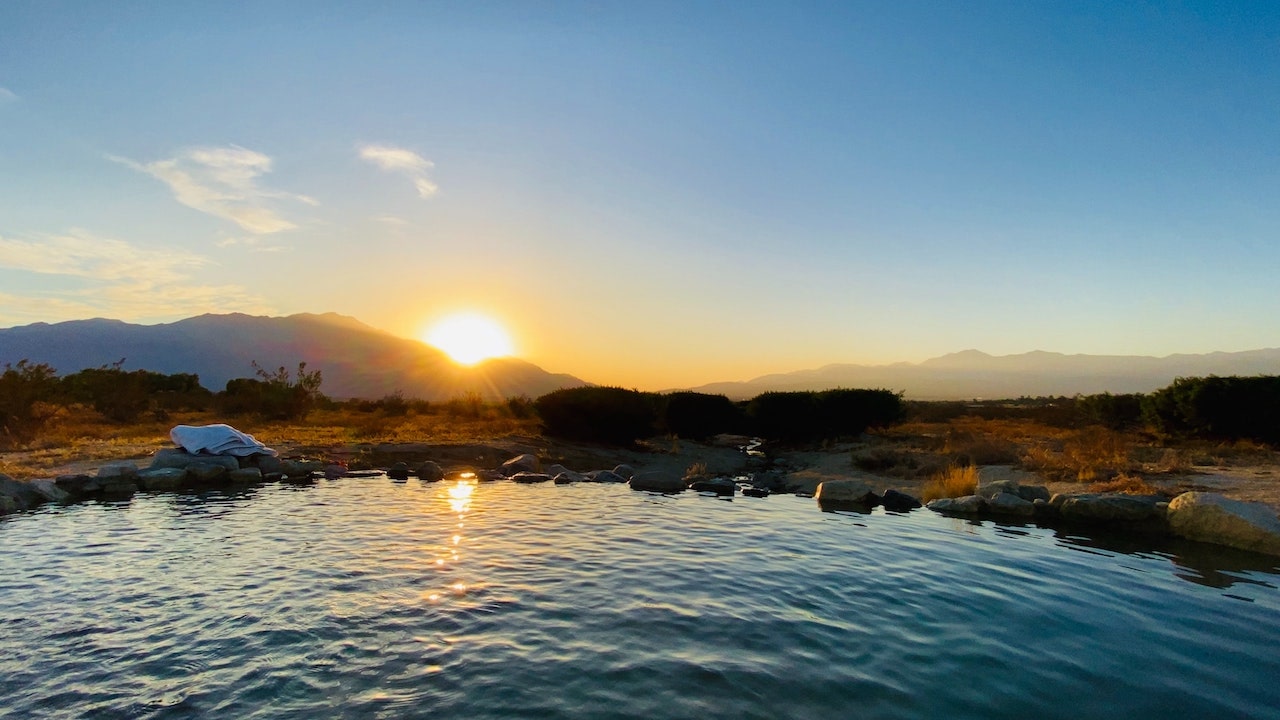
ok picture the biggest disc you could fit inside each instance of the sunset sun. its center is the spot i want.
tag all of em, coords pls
(470, 338)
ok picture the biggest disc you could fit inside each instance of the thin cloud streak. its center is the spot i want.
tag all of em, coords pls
(113, 278)
(405, 162)
(7, 95)
(223, 182)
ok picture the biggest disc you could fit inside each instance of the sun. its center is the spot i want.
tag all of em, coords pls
(469, 338)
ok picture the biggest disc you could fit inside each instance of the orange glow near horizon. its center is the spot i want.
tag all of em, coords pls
(469, 338)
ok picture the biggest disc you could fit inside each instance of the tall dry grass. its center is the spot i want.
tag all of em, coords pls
(955, 481)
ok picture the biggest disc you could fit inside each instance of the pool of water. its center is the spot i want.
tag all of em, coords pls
(366, 598)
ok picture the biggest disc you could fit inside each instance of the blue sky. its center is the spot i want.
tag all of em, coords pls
(655, 194)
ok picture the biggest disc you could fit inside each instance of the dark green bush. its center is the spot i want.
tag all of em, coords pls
(1117, 412)
(23, 389)
(598, 414)
(698, 416)
(275, 395)
(1218, 408)
(812, 416)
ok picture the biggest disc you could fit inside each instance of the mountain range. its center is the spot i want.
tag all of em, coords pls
(973, 374)
(355, 360)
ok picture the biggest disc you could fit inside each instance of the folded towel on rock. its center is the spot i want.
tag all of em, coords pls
(217, 440)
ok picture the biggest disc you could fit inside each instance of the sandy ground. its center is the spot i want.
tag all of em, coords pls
(803, 470)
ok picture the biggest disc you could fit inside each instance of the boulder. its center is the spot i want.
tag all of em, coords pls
(966, 505)
(991, 488)
(398, 471)
(179, 458)
(754, 491)
(332, 471)
(49, 490)
(1010, 505)
(245, 476)
(768, 479)
(625, 471)
(605, 476)
(564, 476)
(896, 501)
(299, 469)
(8, 504)
(208, 473)
(1212, 518)
(846, 492)
(531, 477)
(719, 486)
(24, 496)
(521, 463)
(430, 471)
(657, 481)
(78, 485)
(118, 472)
(1032, 493)
(268, 464)
(1103, 508)
(167, 478)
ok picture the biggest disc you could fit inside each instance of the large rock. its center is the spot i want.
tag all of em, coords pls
(208, 473)
(520, 463)
(1010, 505)
(605, 476)
(1105, 508)
(300, 469)
(430, 471)
(166, 478)
(657, 481)
(531, 477)
(49, 490)
(845, 492)
(1209, 517)
(991, 488)
(897, 501)
(179, 458)
(78, 485)
(245, 476)
(768, 480)
(1032, 493)
(398, 471)
(24, 496)
(966, 505)
(118, 472)
(625, 471)
(719, 486)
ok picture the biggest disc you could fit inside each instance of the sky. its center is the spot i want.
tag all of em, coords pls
(654, 194)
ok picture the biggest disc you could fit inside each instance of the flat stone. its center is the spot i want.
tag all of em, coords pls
(754, 491)
(300, 469)
(897, 501)
(845, 492)
(125, 471)
(179, 458)
(531, 477)
(991, 488)
(657, 481)
(166, 478)
(605, 476)
(1212, 518)
(78, 484)
(626, 471)
(245, 476)
(719, 486)
(24, 496)
(1008, 504)
(966, 505)
(1107, 507)
(1031, 493)
(521, 463)
(207, 473)
(49, 490)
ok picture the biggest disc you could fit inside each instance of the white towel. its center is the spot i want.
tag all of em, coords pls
(217, 440)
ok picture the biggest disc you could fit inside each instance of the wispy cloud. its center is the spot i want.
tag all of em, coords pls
(7, 95)
(223, 182)
(402, 161)
(112, 278)
(252, 244)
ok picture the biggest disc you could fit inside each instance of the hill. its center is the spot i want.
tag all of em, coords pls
(974, 374)
(356, 360)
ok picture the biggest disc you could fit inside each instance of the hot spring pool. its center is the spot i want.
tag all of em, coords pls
(366, 598)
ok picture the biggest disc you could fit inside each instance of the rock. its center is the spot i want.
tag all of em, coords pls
(1212, 518)
(119, 472)
(79, 485)
(299, 469)
(520, 463)
(24, 496)
(719, 486)
(1106, 508)
(1009, 504)
(769, 479)
(8, 505)
(398, 471)
(268, 464)
(489, 475)
(119, 488)
(626, 472)
(429, 471)
(605, 476)
(179, 458)
(563, 479)
(990, 489)
(846, 492)
(895, 501)
(166, 478)
(49, 490)
(754, 491)
(208, 473)
(1031, 493)
(967, 505)
(531, 477)
(246, 476)
(332, 471)
(564, 476)
(555, 469)
(656, 481)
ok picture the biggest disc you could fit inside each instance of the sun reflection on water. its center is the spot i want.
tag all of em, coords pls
(459, 496)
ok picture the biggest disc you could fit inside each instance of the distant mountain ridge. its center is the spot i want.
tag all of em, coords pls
(974, 374)
(356, 360)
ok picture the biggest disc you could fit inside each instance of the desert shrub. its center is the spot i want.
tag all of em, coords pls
(968, 448)
(1117, 412)
(25, 391)
(1218, 408)
(274, 395)
(393, 404)
(598, 414)
(787, 416)
(121, 396)
(520, 407)
(955, 481)
(812, 416)
(698, 415)
(1125, 484)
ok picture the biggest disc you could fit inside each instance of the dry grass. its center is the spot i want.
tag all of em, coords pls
(1125, 484)
(955, 481)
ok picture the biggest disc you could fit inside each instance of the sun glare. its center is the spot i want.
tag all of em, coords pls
(470, 338)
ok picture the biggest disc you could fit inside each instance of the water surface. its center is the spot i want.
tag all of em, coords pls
(365, 598)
